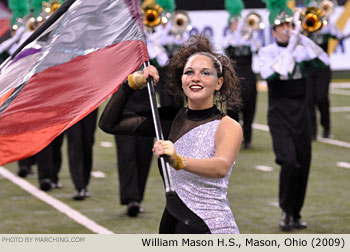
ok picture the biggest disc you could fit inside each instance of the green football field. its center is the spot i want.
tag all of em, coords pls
(252, 190)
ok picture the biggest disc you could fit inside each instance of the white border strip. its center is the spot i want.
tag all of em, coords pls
(60, 206)
(320, 139)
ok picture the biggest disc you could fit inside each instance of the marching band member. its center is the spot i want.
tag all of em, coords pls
(319, 79)
(240, 45)
(282, 65)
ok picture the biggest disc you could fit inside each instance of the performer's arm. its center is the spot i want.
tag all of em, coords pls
(4, 46)
(272, 66)
(113, 119)
(309, 51)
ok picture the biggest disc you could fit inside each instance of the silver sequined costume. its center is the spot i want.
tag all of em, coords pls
(206, 197)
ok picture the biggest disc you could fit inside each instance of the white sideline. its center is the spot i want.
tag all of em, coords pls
(320, 139)
(59, 205)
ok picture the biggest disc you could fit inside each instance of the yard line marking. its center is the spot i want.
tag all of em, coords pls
(345, 165)
(106, 144)
(333, 142)
(340, 85)
(320, 139)
(98, 174)
(339, 91)
(274, 203)
(261, 127)
(339, 109)
(59, 205)
(264, 168)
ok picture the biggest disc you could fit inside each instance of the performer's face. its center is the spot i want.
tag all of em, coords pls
(282, 32)
(199, 82)
(233, 25)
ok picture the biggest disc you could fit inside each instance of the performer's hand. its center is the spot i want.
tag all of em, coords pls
(19, 32)
(162, 147)
(138, 79)
(294, 39)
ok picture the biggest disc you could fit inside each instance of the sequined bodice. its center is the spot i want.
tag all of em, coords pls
(204, 196)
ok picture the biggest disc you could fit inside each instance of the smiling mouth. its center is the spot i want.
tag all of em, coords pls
(195, 88)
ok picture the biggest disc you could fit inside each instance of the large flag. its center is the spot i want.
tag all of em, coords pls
(5, 17)
(67, 72)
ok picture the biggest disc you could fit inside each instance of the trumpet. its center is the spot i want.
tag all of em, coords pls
(251, 23)
(180, 23)
(152, 13)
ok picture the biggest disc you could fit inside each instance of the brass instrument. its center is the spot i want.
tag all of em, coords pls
(251, 23)
(180, 23)
(165, 18)
(47, 9)
(31, 24)
(312, 19)
(152, 13)
(327, 6)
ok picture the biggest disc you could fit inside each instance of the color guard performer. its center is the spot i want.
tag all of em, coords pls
(203, 142)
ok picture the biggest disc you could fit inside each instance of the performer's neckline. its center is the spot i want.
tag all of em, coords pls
(282, 44)
(198, 115)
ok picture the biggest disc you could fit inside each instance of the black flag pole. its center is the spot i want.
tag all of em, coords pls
(44, 26)
(174, 204)
(169, 188)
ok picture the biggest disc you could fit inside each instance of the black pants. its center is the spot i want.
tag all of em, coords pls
(26, 163)
(49, 160)
(290, 131)
(294, 155)
(318, 81)
(248, 94)
(134, 161)
(80, 150)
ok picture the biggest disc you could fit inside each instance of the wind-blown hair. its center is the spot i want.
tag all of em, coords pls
(229, 93)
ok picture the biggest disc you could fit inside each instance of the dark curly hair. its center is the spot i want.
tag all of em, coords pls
(229, 93)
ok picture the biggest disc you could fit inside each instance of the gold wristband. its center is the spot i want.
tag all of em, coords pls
(179, 164)
(132, 84)
(137, 80)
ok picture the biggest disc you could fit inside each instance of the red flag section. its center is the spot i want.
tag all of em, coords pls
(4, 26)
(36, 106)
(5, 17)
